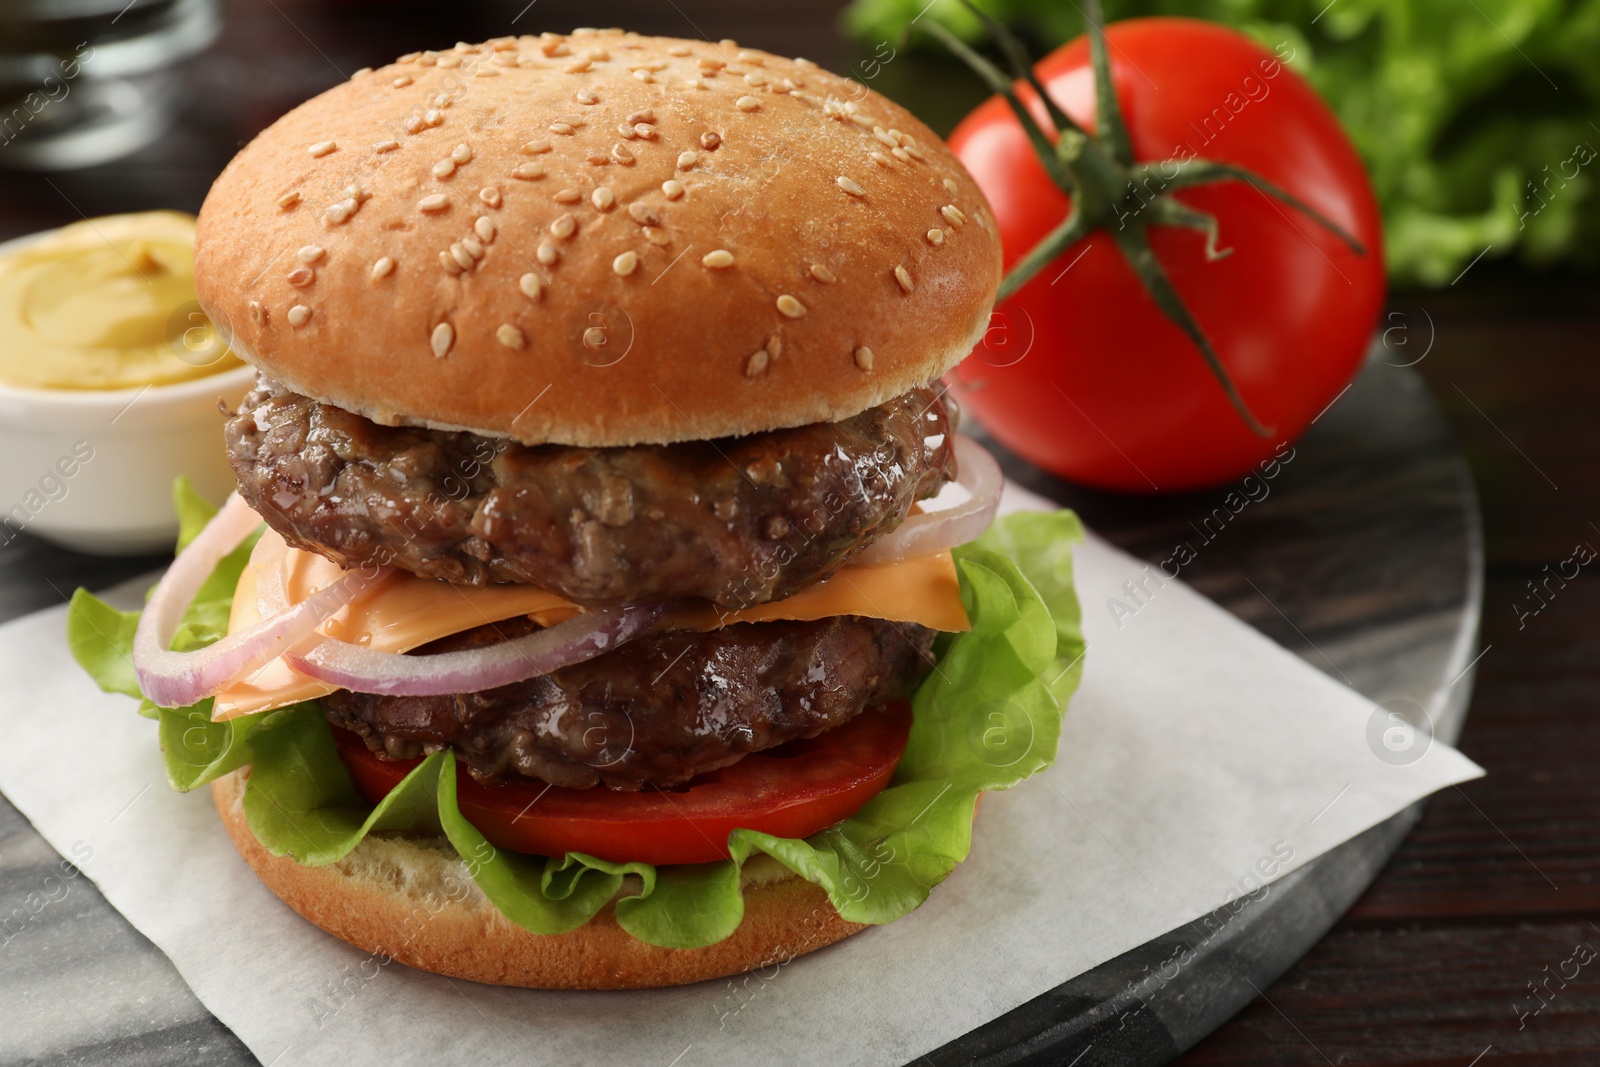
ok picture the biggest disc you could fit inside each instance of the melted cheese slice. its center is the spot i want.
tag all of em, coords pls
(405, 612)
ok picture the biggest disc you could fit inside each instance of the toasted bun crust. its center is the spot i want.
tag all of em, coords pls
(820, 193)
(413, 901)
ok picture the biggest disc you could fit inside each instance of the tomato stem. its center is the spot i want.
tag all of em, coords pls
(1109, 191)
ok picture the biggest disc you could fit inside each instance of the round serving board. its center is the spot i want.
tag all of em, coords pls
(1365, 558)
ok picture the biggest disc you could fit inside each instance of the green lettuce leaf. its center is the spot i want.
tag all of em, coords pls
(987, 717)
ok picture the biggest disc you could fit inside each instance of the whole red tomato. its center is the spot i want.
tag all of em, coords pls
(1081, 373)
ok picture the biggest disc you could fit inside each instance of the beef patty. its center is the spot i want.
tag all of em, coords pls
(656, 711)
(738, 521)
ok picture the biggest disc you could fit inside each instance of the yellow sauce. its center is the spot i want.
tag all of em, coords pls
(106, 303)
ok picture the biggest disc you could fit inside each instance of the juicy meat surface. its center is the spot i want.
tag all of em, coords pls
(738, 521)
(657, 711)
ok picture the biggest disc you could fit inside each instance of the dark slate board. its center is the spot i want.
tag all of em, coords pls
(1366, 559)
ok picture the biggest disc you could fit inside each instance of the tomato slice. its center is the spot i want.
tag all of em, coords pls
(793, 790)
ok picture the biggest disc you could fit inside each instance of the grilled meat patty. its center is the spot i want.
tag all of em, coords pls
(737, 521)
(657, 711)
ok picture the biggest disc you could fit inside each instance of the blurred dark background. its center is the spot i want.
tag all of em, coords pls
(1437, 946)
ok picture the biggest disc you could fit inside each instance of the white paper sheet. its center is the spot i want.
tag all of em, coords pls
(1199, 760)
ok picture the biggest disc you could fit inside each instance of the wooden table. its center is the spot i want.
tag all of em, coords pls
(1500, 883)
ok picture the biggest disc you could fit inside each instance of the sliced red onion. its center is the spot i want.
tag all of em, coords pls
(364, 670)
(176, 679)
(935, 531)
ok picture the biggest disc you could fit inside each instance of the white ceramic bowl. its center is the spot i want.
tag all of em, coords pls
(93, 469)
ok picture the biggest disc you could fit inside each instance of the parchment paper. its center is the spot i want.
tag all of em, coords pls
(1199, 762)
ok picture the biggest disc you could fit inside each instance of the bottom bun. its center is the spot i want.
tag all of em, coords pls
(412, 900)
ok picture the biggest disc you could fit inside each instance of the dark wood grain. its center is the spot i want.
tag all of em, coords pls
(1502, 877)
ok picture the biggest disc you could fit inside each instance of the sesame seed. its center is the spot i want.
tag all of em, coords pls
(357, 193)
(850, 187)
(563, 227)
(530, 285)
(473, 247)
(485, 72)
(896, 138)
(624, 264)
(527, 172)
(597, 159)
(620, 153)
(415, 124)
(433, 117)
(288, 200)
(710, 140)
(567, 196)
(433, 204)
(449, 61)
(535, 147)
(936, 236)
(656, 235)
(755, 79)
(950, 184)
(801, 61)
(442, 100)
(462, 256)
(385, 146)
(626, 131)
(750, 58)
(643, 215)
(687, 159)
(678, 50)
(864, 357)
(881, 160)
(903, 276)
(310, 253)
(790, 307)
(598, 55)
(708, 63)
(775, 345)
(322, 148)
(578, 66)
(586, 97)
(645, 115)
(913, 149)
(822, 274)
(901, 154)
(299, 315)
(644, 131)
(953, 214)
(402, 81)
(461, 153)
(694, 83)
(409, 57)
(718, 260)
(747, 103)
(257, 315)
(563, 128)
(443, 336)
(448, 261)
(444, 168)
(483, 226)
(602, 198)
(510, 336)
(672, 189)
(340, 211)
(788, 85)
(756, 363)
(489, 195)
(548, 253)
(644, 76)
(301, 277)
(383, 268)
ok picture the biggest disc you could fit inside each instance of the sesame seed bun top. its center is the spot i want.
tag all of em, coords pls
(598, 239)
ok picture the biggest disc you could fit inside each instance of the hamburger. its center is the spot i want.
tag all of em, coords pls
(598, 606)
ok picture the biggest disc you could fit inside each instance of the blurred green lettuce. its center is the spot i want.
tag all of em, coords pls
(1455, 106)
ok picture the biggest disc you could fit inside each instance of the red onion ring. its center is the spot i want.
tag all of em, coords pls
(177, 679)
(364, 670)
(935, 531)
